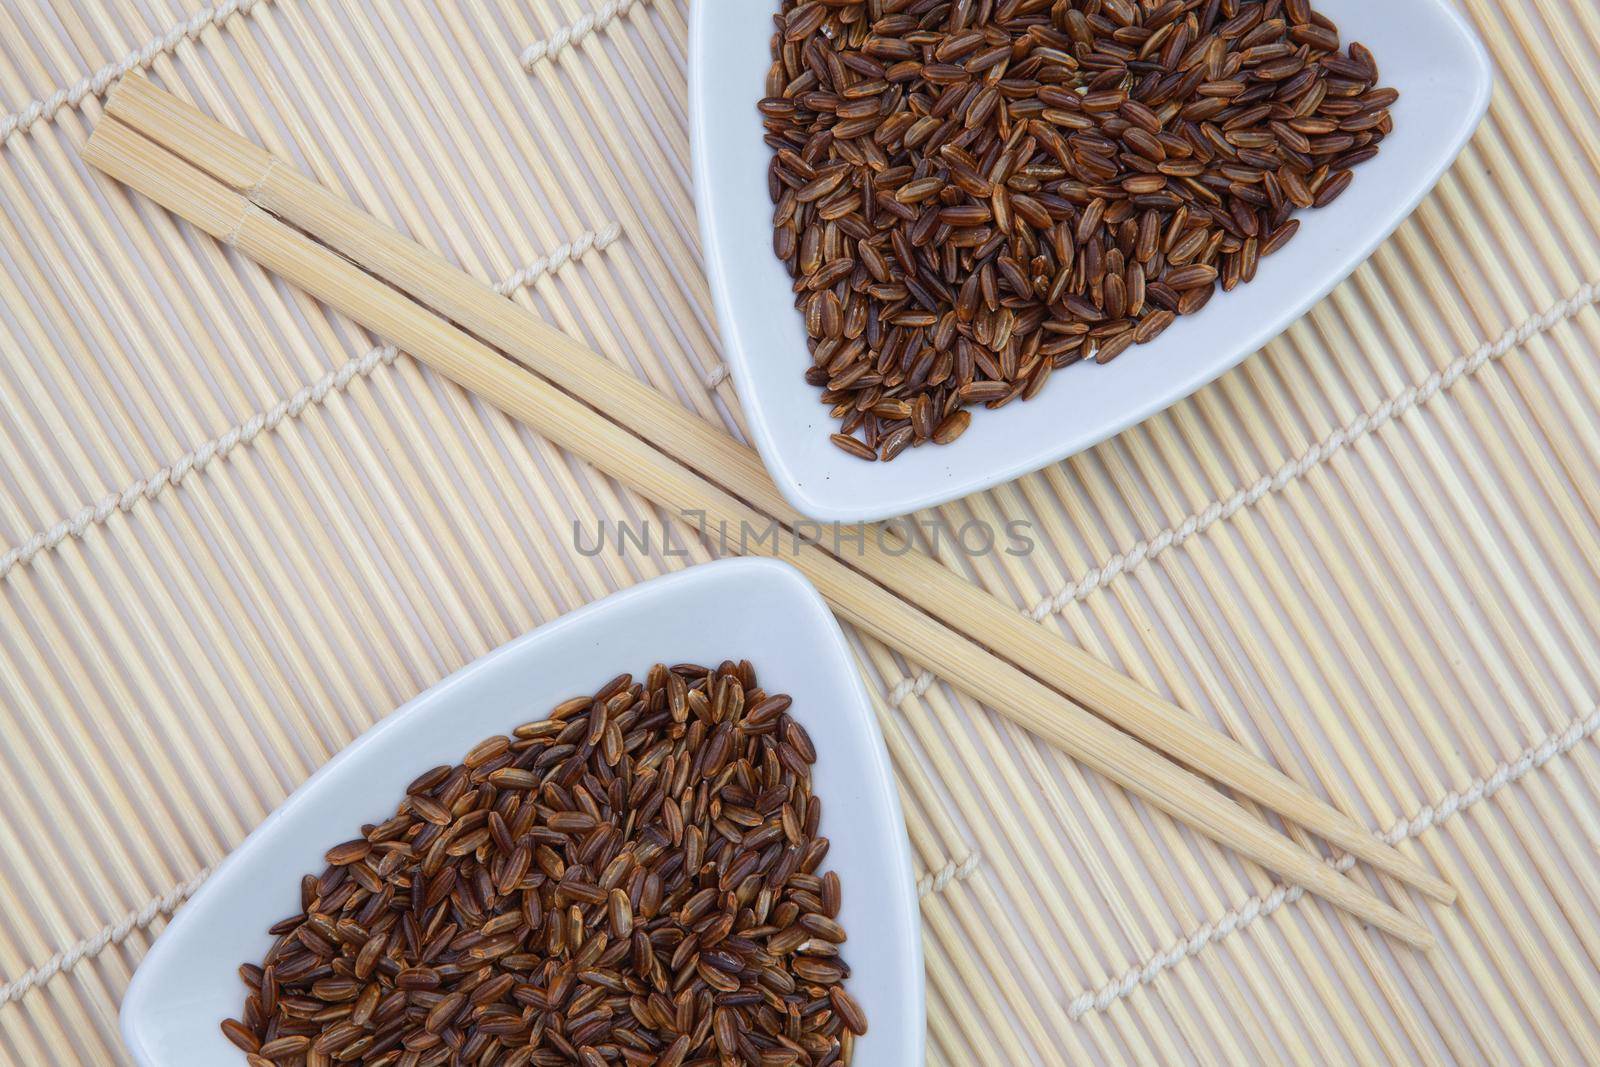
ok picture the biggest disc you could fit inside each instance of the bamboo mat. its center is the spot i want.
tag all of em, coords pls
(238, 530)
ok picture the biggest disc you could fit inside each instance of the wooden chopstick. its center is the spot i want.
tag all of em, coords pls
(172, 181)
(446, 289)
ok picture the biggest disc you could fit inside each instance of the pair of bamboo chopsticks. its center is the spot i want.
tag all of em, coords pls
(240, 193)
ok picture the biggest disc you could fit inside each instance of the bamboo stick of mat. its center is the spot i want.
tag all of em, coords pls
(283, 191)
(128, 156)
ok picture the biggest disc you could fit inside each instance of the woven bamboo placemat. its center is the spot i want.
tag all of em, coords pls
(237, 530)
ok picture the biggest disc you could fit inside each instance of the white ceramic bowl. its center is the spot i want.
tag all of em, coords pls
(750, 609)
(1424, 49)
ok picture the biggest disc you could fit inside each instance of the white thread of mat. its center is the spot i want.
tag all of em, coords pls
(336, 380)
(115, 934)
(168, 902)
(598, 19)
(716, 376)
(141, 57)
(1259, 907)
(908, 687)
(1391, 409)
(938, 881)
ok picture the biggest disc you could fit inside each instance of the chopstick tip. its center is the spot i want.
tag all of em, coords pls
(1421, 938)
(1399, 925)
(1414, 874)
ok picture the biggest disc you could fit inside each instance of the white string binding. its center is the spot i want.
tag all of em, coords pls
(336, 380)
(101, 80)
(909, 687)
(716, 376)
(938, 881)
(1260, 907)
(1395, 406)
(115, 934)
(581, 27)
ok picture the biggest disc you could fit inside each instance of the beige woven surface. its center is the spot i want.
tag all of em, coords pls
(238, 533)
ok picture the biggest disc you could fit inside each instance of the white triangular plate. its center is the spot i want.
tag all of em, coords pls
(738, 609)
(1423, 48)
